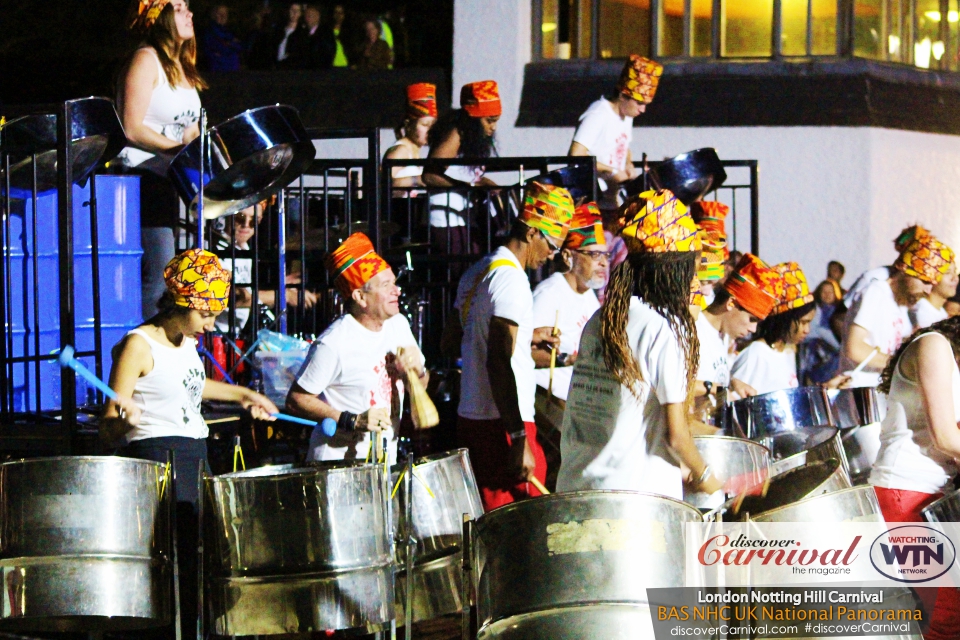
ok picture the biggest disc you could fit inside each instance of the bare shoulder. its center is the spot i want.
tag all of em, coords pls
(448, 147)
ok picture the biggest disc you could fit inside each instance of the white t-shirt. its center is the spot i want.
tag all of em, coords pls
(766, 369)
(505, 293)
(607, 136)
(552, 295)
(242, 275)
(923, 314)
(865, 280)
(611, 438)
(714, 354)
(886, 322)
(908, 459)
(347, 368)
(446, 206)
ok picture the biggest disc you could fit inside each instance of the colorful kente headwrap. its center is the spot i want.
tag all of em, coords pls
(754, 285)
(795, 291)
(925, 258)
(696, 294)
(198, 281)
(709, 216)
(354, 263)
(549, 209)
(907, 235)
(586, 228)
(146, 13)
(422, 100)
(639, 78)
(481, 99)
(656, 222)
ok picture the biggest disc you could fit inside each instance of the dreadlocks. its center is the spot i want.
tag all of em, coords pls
(661, 280)
(949, 329)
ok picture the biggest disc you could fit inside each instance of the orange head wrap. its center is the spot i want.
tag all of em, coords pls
(145, 13)
(354, 263)
(586, 228)
(198, 281)
(710, 216)
(481, 99)
(754, 285)
(795, 290)
(639, 78)
(925, 258)
(549, 209)
(656, 222)
(422, 100)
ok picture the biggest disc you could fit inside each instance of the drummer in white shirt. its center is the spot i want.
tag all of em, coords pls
(932, 308)
(606, 127)
(352, 374)
(879, 318)
(567, 301)
(769, 363)
(900, 243)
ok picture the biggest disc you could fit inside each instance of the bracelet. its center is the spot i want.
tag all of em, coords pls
(562, 359)
(346, 422)
(703, 476)
(516, 435)
(707, 385)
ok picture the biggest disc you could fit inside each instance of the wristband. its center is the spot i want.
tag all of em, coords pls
(703, 476)
(707, 385)
(346, 422)
(562, 359)
(516, 435)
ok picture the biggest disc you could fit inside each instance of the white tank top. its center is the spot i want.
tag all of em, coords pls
(171, 110)
(908, 461)
(169, 396)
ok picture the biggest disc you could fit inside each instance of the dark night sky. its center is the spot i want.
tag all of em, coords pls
(53, 51)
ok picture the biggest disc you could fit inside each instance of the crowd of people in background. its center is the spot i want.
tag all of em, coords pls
(301, 36)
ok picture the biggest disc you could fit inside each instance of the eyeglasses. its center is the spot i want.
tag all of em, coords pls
(550, 241)
(596, 256)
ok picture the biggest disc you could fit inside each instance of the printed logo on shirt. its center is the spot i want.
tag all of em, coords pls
(619, 158)
(381, 395)
(193, 384)
(897, 338)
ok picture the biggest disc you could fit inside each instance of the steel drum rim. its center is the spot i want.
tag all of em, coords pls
(433, 457)
(714, 438)
(861, 488)
(571, 495)
(83, 458)
(285, 472)
(936, 503)
(291, 578)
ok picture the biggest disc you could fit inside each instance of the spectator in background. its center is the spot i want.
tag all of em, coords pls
(835, 272)
(338, 16)
(732, 262)
(259, 46)
(319, 46)
(820, 352)
(375, 53)
(289, 35)
(953, 306)
(219, 47)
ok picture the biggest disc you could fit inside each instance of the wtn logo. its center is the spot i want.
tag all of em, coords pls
(912, 553)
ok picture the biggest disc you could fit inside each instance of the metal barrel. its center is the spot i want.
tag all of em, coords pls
(729, 458)
(577, 565)
(84, 544)
(297, 549)
(444, 489)
(809, 480)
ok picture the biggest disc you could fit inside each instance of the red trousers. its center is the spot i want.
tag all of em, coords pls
(489, 445)
(904, 506)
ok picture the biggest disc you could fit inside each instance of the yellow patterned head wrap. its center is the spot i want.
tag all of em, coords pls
(549, 209)
(656, 222)
(925, 258)
(198, 281)
(639, 78)
(586, 228)
(796, 290)
(145, 13)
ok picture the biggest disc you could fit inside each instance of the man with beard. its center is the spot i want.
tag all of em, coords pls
(495, 306)
(566, 300)
(879, 319)
(467, 132)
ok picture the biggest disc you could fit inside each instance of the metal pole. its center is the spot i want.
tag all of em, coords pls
(68, 380)
(175, 556)
(281, 263)
(466, 578)
(411, 547)
(688, 28)
(6, 327)
(536, 30)
(776, 33)
(716, 28)
(810, 27)
(201, 474)
(656, 26)
(95, 276)
(203, 164)
(754, 208)
(595, 30)
(373, 164)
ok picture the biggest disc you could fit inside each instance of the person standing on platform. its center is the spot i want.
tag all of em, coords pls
(920, 445)
(159, 106)
(567, 300)
(412, 135)
(606, 127)
(352, 373)
(931, 309)
(625, 425)
(467, 132)
(495, 304)
(869, 276)
(879, 317)
(160, 379)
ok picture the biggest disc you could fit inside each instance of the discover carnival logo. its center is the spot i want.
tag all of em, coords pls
(912, 553)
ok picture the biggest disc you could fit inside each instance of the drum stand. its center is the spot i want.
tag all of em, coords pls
(411, 547)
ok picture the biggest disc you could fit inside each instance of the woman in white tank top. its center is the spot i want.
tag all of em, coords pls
(920, 442)
(159, 106)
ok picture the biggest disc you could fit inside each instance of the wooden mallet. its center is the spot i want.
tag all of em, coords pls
(422, 409)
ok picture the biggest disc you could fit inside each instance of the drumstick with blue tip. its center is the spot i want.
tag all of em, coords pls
(66, 359)
(328, 425)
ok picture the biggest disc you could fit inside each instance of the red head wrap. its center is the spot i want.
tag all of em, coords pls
(754, 285)
(586, 228)
(422, 100)
(481, 99)
(354, 263)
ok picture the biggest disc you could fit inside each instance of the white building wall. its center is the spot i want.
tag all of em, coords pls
(825, 192)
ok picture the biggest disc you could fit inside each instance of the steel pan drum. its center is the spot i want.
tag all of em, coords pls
(810, 480)
(437, 527)
(946, 509)
(856, 504)
(855, 407)
(96, 136)
(729, 458)
(830, 449)
(295, 550)
(251, 156)
(579, 180)
(861, 445)
(691, 175)
(84, 544)
(577, 565)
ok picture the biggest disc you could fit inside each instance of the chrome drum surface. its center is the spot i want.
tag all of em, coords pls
(729, 458)
(84, 544)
